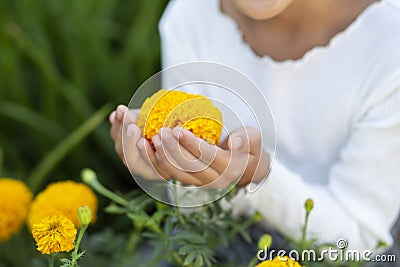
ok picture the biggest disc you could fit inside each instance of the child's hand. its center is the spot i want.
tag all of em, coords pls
(132, 158)
(179, 154)
(193, 161)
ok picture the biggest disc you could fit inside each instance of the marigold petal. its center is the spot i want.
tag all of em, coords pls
(15, 198)
(54, 234)
(280, 262)
(65, 198)
(195, 113)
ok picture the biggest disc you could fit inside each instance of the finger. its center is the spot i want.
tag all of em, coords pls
(131, 136)
(240, 165)
(111, 117)
(131, 116)
(256, 171)
(147, 154)
(182, 159)
(246, 140)
(131, 156)
(116, 135)
(116, 122)
(115, 126)
(120, 112)
(169, 165)
(211, 155)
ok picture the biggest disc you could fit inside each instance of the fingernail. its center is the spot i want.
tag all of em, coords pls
(180, 132)
(185, 132)
(140, 144)
(120, 112)
(131, 130)
(165, 132)
(176, 132)
(156, 140)
(119, 115)
(132, 117)
(236, 142)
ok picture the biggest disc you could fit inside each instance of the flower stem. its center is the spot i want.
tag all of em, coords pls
(177, 208)
(90, 178)
(304, 232)
(52, 259)
(253, 261)
(78, 242)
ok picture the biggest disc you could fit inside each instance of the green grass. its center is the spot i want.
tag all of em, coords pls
(60, 61)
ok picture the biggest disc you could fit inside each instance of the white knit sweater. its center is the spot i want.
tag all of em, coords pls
(337, 118)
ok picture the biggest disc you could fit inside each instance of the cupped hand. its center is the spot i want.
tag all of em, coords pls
(131, 146)
(193, 161)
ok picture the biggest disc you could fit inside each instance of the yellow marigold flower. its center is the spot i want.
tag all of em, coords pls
(15, 198)
(195, 113)
(280, 262)
(65, 198)
(54, 234)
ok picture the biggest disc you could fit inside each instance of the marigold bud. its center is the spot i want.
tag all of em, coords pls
(257, 216)
(88, 175)
(84, 215)
(309, 205)
(265, 241)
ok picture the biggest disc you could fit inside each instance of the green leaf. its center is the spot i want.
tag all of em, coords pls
(139, 220)
(189, 259)
(32, 119)
(190, 237)
(246, 236)
(65, 262)
(208, 261)
(199, 261)
(80, 254)
(185, 250)
(161, 206)
(141, 203)
(159, 215)
(158, 249)
(222, 237)
(54, 157)
(150, 235)
(168, 226)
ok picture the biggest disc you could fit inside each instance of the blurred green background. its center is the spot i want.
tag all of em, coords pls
(61, 61)
(64, 65)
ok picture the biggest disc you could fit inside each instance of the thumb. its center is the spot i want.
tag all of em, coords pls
(245, 140)
(236, 141)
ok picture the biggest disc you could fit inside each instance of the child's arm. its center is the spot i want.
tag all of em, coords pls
(361, 200)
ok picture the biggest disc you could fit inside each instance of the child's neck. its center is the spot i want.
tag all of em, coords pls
(302, 26)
